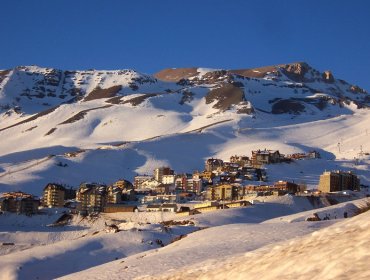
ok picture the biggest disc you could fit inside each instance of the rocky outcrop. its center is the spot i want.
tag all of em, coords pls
(287, 106)
(328, 77)
(295, 71)
(103, 93)
(176, 74)
(226, 96)
(357, 89)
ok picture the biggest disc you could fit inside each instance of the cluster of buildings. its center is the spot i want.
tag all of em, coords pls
(225, 183)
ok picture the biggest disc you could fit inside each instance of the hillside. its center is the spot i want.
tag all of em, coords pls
(218, 247)
(59, 125)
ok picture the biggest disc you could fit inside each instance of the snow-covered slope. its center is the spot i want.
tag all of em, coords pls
(336, 252)
(201, 252)
(134, 122)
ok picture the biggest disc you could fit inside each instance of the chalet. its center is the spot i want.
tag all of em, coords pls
(92, 198)
(261, 157)
(213, 164)
(19, 202)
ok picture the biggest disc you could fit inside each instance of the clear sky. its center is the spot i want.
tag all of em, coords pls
(149, 35)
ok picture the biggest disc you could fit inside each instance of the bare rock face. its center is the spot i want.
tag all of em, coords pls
(176, 74)
(287, 106)
(357, 89)
(328, 77)
(226, 96)
(296, 71)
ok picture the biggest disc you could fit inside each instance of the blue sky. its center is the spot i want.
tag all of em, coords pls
(148, 35)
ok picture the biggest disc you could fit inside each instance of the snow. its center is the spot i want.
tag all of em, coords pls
(121, 140)
(204, 250)
(335, 252)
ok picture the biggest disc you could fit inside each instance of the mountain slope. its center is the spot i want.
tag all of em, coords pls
(189, 115)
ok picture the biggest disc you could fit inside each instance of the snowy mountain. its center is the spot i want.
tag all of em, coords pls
(74, 126)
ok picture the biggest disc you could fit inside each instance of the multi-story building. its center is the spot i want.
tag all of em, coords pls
(140, 179)
(213, 164)
(222, 192)
(19, 202)
(333, 181)
(114, 194)
(285, 186)
(161, 171)
(54, 195)
(240, 160)
(91, 197)
(261, 157)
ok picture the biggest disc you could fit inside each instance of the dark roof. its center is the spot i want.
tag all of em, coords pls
(57, 186)
(169, 205)
(153, 206)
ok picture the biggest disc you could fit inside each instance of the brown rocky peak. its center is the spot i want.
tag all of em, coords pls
(328, 76)
(176, 74)
(295, 71)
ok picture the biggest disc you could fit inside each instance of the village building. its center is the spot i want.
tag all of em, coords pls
(92, 197)
(206, 204)
(240, 160)
(309, 155)
(261, 157)
(189, 183)
(54, 195)
(128, 195)
(169, 207)
(207, 176)
(139, 179)
(222, 192)
(287, 187)
(123, 184)
(335, 181)
(113, 194)
(151, 184)
(19, 202)
(116, 208)
(213, 164)
(161, 171)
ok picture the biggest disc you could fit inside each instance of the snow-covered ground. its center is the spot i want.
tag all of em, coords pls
(339, 251)
(224, 240)
(85, 250)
